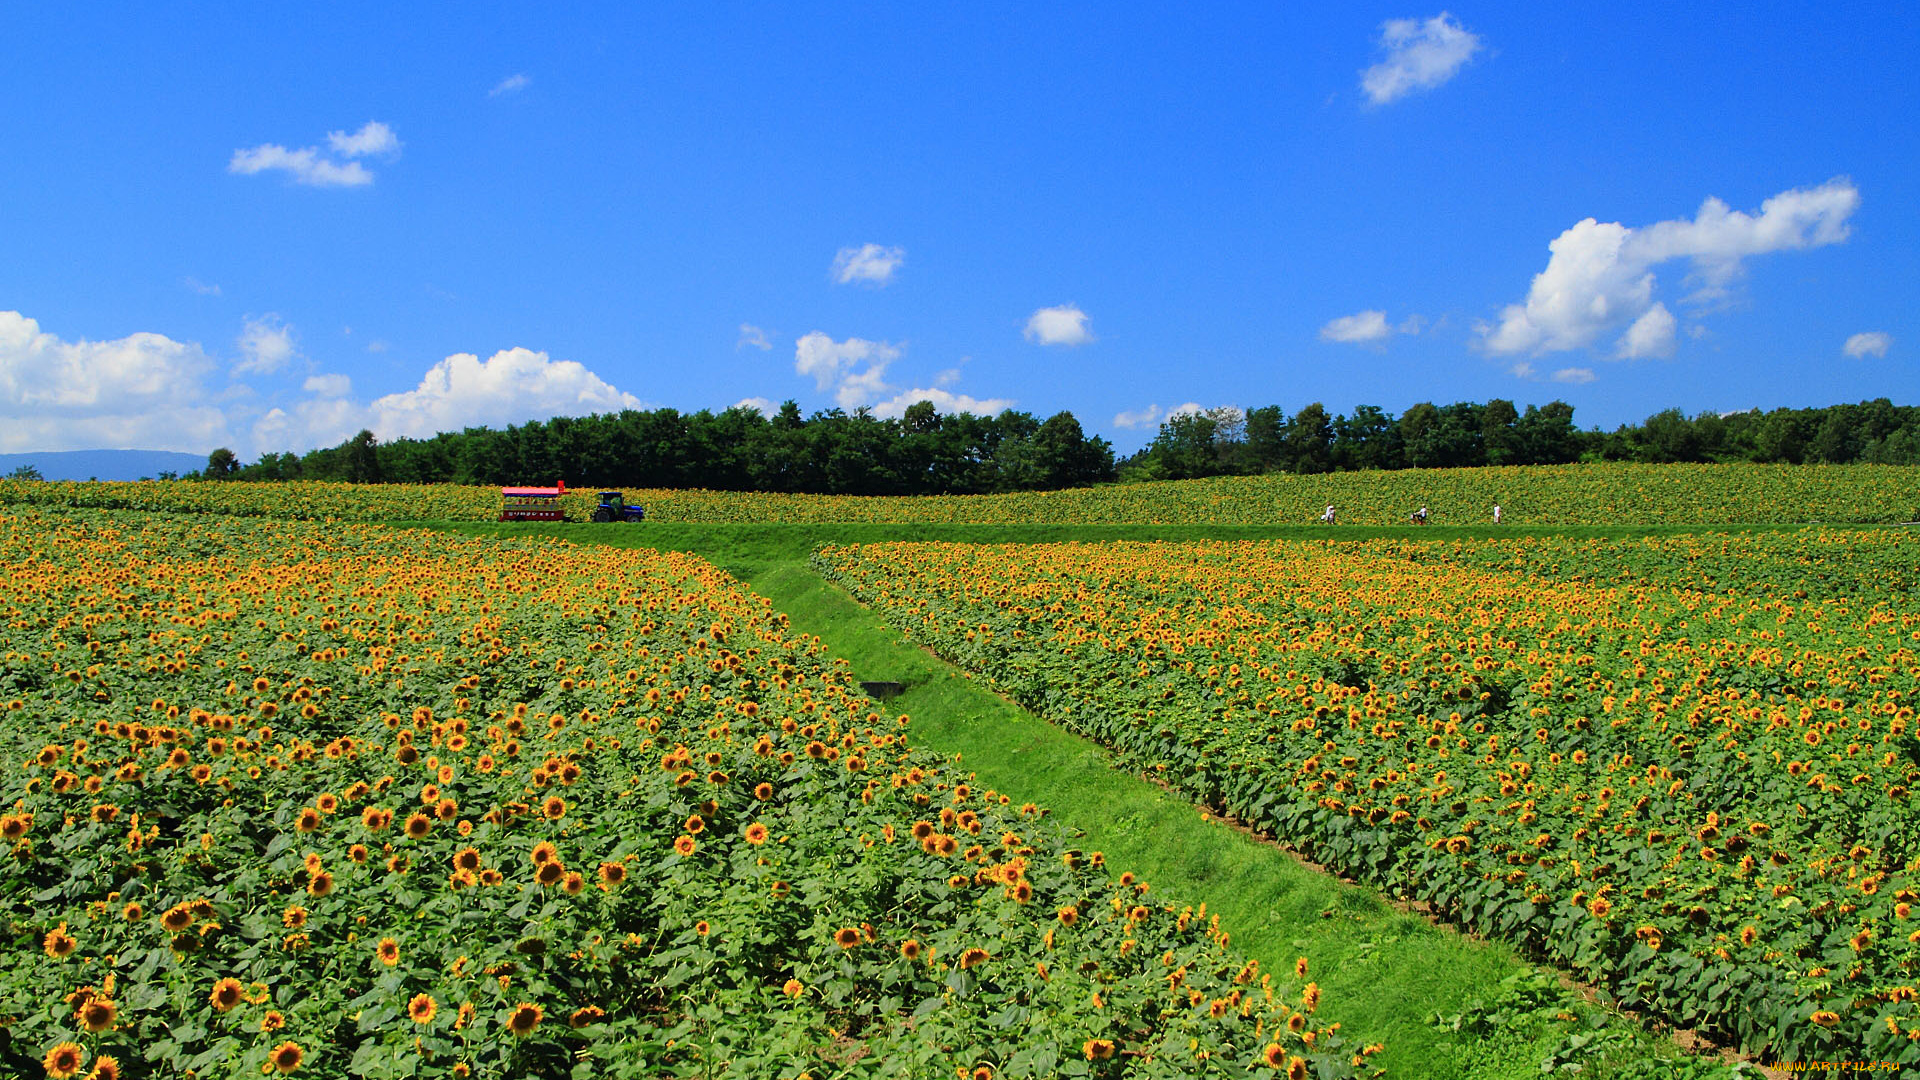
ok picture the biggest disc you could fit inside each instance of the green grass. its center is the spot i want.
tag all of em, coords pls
(1384, 971)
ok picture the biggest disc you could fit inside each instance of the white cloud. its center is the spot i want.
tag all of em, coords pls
(266, 344)
(1420, 56)
(1362, 328)
(1063, 325)
(1871, 343)
(1521, 370)
(307, 165)
(833, 363)
(143, 391)
(754, 336)
(201, 287)
(513, 386)
(1191, 408)
(947, 377)
(509, 85)
(1599, 276)
(868, 264)
(1139, 418)
(1574, 375)
(377, 346)
(1650, 335)
(328, 386)
(763, 406)
(373, 138)
(946, 403)
(1412, 325)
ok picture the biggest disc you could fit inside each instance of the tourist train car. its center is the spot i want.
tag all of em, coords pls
(532, 503)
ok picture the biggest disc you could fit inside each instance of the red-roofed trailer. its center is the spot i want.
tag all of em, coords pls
(532, 503)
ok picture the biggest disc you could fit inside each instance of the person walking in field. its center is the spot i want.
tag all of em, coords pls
(1496, 513)
(1327, 518)
(1420, 516)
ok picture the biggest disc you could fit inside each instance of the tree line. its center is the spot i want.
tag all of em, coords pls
(925, 452)
(1468, 434)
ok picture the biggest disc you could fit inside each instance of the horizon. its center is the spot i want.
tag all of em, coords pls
(423, 221)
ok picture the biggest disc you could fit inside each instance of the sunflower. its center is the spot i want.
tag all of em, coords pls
(550, 873)
(419, 825)
(1097, 1049)
(792, 988)
(554, 808)
(422, 1008)
(320, 884)
(467, 858)
(586, 1014)
(64, 1060)
(612, 874)
(524, 1018)
(1296, 1069)
(226, 994)
(846, 937)
(685, 845)
(1069, 915)
(389, 951)
(1311, 996)
(763, 792)
(973, 957)
(574, 883)
(105, 1067)
(294, 917)
(286, 1057)
(308, 819)
(544, 852)
(756, 834)
(97, 1015)
(703, 928)
(59, 944)
(695, 824)
(910, 949)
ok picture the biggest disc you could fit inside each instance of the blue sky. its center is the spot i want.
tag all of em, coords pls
(268, 227)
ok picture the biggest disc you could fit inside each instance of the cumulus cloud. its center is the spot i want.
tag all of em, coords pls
(868, 264)
(763, 406)
(328, 386)
(512, 84)
(1599, 276)
(1138, 418)
(1871, 343)
(201, 287)
(266, 344)
(373, 138)
(944, 402)
(855, 368)
(1650, 335)
(1063, 325)
(1420, 55)
(1574, 375)
(511, 387)
(143, 391)
(754, 336)
(308, 165)
(1361, 328)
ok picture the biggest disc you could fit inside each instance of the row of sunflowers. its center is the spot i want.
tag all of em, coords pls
(346, 801)
(1598, 494)
(1682, 767)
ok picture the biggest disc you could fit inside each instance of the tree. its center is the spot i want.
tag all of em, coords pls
(222, 464)
(1501, 441)
(25, 472)
(1183, 450)
(1309, 440)
(1266, 438)
(360, 459)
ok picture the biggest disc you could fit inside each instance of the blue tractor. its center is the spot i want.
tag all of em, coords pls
(613, 507)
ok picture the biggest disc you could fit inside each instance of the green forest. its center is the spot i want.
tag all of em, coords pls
(925, 452)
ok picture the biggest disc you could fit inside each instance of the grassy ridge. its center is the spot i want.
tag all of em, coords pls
(1602, 494)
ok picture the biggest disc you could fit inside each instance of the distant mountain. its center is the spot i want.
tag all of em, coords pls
(104, 464)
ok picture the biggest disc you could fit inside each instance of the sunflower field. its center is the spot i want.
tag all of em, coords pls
(1603, 494)
(347, 801)
(1681, 767)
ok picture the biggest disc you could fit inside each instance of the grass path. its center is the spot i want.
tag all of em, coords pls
(1385, 971)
